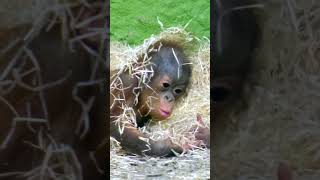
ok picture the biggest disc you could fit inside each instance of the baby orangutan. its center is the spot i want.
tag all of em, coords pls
(154, 99)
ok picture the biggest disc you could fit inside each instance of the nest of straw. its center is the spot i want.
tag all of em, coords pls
(21, 23)
(281, 120)
(177, 126)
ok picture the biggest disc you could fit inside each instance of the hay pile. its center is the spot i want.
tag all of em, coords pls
(196, 102)
(281, 122)
(20, 23)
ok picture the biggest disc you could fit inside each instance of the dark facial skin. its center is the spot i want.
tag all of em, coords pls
(168, 84)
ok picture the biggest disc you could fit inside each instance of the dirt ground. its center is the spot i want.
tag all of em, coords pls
(189, 166)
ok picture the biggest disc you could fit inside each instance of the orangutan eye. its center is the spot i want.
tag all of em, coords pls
(178, 91)
(165, 85)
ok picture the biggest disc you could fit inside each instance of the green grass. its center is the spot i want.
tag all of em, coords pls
(133, 21)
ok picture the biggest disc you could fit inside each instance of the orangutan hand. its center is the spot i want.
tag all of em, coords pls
(201, 132)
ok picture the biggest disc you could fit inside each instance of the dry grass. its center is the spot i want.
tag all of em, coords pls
(59, 161)
(196, 163)
(283, 96)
